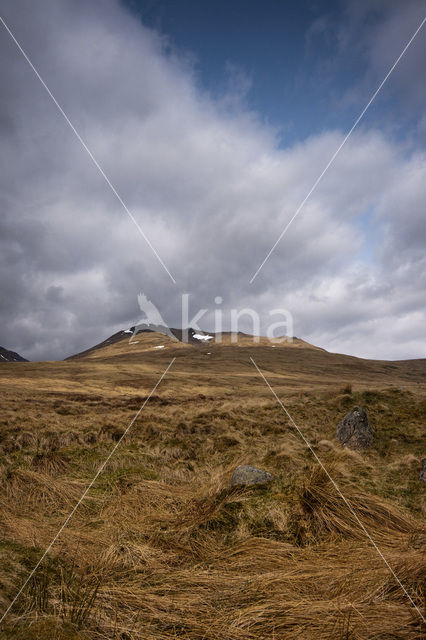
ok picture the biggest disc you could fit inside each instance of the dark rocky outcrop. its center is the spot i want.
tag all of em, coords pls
(10, 356)
(245, 475)
(422, 475)
(355, 431)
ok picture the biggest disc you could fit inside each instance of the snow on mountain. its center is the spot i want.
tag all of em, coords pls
(10, 356)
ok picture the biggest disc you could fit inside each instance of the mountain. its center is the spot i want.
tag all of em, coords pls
(126, 336)
(10, 356)
(149, 339)
(297, 363)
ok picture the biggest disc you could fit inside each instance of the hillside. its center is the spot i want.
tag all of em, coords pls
(297, 363)
(10, 356)
(125, 342)
(162, 547)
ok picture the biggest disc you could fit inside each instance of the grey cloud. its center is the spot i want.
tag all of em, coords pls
(376, 31)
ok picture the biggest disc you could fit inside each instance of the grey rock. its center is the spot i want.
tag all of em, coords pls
(422, 475)
(355, 431)
(246, 475)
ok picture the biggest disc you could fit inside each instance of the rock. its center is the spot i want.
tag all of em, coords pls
(246, 475)
(422, 475)
(355, 431)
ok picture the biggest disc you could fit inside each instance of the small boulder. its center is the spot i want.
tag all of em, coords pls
(355, 431)
(422, 475)
(246, 475)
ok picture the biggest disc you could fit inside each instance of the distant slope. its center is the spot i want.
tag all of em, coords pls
(126, 336)
(295, 364)
(10, 356)
(116, 337)
(147, 339)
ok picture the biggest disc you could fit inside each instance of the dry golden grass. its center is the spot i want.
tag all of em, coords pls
(162, 547)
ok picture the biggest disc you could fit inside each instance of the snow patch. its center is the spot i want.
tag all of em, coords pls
(200, 336)
(160, 346)
(127, 331)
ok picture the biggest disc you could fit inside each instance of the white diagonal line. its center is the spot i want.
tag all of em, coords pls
(89, 486)
(345, 139)
(92, 157)
(347, 503)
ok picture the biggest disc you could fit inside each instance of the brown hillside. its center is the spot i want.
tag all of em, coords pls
(162, 547)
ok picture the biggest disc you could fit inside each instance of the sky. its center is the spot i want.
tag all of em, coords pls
(211, 121)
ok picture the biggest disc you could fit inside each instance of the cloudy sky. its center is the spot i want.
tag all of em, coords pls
(212, 120)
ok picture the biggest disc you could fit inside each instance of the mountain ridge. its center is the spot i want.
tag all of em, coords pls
(195, 338)
(6, 355)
